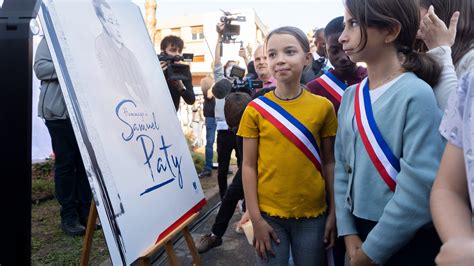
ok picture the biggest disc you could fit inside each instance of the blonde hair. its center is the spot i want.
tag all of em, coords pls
(206, 84)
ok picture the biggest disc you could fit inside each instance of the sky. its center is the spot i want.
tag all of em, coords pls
(304, 14)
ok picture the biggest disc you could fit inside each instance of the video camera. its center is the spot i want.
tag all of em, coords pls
(230, 30)
(242, 84)
(176, 71)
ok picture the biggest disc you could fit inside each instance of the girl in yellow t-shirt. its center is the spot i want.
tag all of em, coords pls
(288, 148)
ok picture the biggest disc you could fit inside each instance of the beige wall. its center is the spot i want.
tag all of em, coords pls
(252, 33)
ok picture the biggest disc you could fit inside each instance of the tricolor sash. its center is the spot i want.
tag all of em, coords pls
(379, 152)
(332, 84)
(290, 127)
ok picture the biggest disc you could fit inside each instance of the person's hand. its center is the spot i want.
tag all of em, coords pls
(178, 85)
(456, 251)
(164, 65)
(434, 32)
(245, 218)
(353, 243)
(220, 28)
(330, 231)
(359, 258)
(263, 235)
(242, 53)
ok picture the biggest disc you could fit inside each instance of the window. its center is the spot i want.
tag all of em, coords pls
(197, 33)
(198, 58)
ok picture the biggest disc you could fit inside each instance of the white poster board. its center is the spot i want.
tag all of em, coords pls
(138, 163)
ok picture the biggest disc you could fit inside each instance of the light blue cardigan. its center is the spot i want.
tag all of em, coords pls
(408, 118)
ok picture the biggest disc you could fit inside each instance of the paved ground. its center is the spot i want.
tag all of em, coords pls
(235, 250)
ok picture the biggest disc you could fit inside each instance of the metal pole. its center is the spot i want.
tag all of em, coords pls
(15, 132)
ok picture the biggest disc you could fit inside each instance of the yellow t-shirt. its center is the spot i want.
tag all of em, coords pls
(289, 185)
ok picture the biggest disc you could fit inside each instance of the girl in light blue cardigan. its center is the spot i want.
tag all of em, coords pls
(387, 146)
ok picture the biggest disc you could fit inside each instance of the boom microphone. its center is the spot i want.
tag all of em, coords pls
(221, 88)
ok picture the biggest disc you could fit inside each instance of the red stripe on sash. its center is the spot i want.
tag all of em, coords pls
(329, 89)
(373, 157)
(287, 133)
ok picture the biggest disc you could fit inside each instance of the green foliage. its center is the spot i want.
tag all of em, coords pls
(199, 161)
(42, 183)
(41, 189)
(50, 246)
(43, 170)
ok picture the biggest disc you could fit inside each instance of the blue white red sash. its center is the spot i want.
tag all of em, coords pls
(379, 152)
(290, 127)
(333, 85)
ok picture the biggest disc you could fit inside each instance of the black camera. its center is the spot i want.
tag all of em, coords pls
(230, 30)
(242, 84)
(176, 71)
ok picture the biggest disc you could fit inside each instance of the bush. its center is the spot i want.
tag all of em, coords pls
(41, 189)
(43, 170)
(199, 161)
(42, 183)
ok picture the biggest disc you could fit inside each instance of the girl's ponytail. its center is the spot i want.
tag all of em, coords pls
(425, 67)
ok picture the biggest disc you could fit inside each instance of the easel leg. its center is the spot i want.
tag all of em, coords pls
(145, 261)
(86, 246)
(166, 242)
(192, 246)
(172, 259)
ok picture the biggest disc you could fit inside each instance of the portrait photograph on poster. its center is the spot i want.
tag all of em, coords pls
(137, 160)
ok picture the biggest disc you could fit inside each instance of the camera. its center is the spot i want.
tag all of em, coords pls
(176, 71)
(242, 84)
(230, 30)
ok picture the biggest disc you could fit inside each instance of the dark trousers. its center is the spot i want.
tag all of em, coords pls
(234, 193)
(226, 142)
(71, 185)
(338, 252)
(421, 250)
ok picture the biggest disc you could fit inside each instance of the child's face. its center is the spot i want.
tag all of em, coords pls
(286, 58)
(351, 39)
(339, 60)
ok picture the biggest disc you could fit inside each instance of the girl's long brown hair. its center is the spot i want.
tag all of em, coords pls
(386, 14)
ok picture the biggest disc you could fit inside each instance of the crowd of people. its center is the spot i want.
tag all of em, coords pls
(354, 159)
(358, 151)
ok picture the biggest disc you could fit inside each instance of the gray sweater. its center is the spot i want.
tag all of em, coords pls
(448, 81)
(51, 104)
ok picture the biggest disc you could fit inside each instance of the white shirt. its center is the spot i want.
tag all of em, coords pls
(375, 95)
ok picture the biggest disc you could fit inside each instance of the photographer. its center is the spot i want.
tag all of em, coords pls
(173, 46)
(221, 71)
(226, 141)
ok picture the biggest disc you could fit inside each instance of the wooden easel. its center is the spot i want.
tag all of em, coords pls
(166, 241)
(145, 258)
(86, 245)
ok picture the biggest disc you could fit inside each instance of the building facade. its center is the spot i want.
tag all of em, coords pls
(200, 38)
